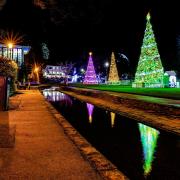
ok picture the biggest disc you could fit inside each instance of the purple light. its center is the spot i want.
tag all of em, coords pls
(56, 96)
(90, 76)
(90, 108)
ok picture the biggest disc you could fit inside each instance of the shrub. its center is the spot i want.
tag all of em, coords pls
(8, 68)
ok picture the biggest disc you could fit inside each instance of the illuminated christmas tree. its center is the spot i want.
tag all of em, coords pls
(149, 70)
(113, 73)
(149, 138)
(90, 76)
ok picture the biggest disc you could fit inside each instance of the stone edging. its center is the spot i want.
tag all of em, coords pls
(159, 109)
(103, 166)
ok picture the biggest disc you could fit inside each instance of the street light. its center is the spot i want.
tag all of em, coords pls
(106, 65)
(10, 46)
(82, 70)
(36, 71)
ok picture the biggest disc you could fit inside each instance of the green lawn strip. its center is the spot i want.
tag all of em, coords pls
(173, 93)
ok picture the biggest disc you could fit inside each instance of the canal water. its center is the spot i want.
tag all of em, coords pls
(139, 151)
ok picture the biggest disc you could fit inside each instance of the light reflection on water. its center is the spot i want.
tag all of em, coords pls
(90, 109)
(113, 115)
(149, 138)
(118, 137)
(56, 96)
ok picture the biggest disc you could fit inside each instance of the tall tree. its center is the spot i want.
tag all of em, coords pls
(113, 72)
(150, 70)
(90, 76)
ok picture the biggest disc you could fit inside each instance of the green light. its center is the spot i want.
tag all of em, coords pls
(149, 138)
(150, 69)
(148, 17)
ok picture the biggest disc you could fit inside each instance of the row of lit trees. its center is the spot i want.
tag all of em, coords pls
(149, 72)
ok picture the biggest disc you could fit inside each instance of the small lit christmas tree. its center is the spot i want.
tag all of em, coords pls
(149, 70)
(113, 72)
(90, 76)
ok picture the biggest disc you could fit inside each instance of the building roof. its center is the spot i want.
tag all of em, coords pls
(171, 73)
(26, 49)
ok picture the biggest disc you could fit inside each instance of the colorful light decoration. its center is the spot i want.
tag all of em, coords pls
(113, 72)
(149, 138)
(90, 109)
(150, 69)
(90, 76)
(113, 115)
(56, 96)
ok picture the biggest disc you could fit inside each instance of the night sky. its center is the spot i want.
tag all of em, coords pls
(71, 28)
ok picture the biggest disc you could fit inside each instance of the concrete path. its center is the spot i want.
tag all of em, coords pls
(41, 149)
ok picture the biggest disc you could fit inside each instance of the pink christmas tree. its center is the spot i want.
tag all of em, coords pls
(90, 76)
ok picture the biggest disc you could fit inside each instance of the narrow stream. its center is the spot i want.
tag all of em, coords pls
(139, 151)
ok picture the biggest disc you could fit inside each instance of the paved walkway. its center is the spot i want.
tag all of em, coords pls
(42, 150)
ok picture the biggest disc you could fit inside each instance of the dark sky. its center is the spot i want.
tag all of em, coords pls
(73, 27)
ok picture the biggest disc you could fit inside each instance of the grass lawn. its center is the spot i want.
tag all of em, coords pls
(173, 93)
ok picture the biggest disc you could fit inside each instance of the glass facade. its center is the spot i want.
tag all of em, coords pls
(16, 53)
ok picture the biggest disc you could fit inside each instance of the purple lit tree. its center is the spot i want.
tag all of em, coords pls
(90, 76)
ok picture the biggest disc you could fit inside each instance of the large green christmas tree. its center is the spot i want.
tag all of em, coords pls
(113, 72)
(150, 70)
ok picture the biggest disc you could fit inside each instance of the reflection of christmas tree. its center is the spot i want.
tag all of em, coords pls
(113, 115)
(90, 109)
(149, 68)
(149, 140)
(113, 73)
(90, 76)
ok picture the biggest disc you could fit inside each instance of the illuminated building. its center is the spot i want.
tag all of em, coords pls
(14, 52)
(53, 72)
(171, 79)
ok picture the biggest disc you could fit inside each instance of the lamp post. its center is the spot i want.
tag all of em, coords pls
(82, 74)
(106, 65)
(82, 70)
